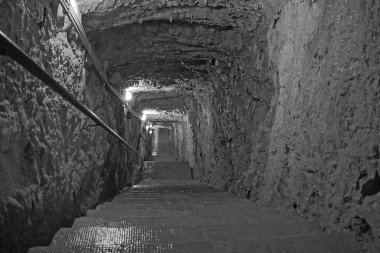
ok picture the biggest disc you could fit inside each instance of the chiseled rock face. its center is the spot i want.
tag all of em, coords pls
(53, 164)
(101, 14)
(157, 40)
(324, 143)
(228, 114)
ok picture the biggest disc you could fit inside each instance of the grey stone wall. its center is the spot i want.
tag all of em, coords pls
(54, 164)
(310, 141)
(324, 143)
(228, 115)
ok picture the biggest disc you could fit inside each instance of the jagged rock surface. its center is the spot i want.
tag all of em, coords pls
(54, 164)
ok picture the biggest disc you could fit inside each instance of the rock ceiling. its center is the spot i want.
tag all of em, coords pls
(168, 42)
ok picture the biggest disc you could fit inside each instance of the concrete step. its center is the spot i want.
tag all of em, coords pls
(188, 210)
(188, 222)
(121, 212)
(123, 233)
(252, 217)
(322, 243)
(209, 202)
(173, 189)
(206, 206)
(186, 206)
(166, 170)
(190, 247)
(175, 196)
(159, 221)
(151, 220)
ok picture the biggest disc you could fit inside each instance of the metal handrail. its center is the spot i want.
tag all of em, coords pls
(8, 47)
(82, 34)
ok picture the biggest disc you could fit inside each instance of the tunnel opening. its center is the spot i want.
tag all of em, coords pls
(162, 145)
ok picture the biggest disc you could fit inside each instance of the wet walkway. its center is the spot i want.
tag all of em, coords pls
(180, 215)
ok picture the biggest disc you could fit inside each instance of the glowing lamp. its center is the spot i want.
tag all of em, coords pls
(128, 96)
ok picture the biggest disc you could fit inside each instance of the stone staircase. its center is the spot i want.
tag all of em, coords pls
(180, 215)
(167, 170)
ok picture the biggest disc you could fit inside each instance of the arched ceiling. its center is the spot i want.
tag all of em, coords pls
(170, 43)
(165, 40)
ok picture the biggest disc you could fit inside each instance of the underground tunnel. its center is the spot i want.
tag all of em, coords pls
(190, 126)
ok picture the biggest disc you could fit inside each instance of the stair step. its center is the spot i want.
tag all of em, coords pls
(118, 210)
(166, 170)
(210, 201)
(168, 185)
(183, 221)
(115, 210)
(159, 216)
(173, 189)
(188, 247)
(173, 195)
(175, 215)
(122, 213)
(321, 243)
(185, 206)
(160, 221)
(124, 233)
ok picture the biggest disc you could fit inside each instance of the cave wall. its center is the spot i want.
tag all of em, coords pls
(302, 128)
(54, 164)
(188, 149)
(182, 141)
(228, 114)
(324, 144)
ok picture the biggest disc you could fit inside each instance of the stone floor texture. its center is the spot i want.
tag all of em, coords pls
(181, 215)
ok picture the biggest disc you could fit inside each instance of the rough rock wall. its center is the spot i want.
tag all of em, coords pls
(312, 141)
(182, 146)
(53, 163)
(324, 144)
(188, 149)
(228, 113)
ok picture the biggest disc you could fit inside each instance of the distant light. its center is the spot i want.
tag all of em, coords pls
(128, 96)
(152, 112)
(150, 131)
(143, 118)
(147, 128)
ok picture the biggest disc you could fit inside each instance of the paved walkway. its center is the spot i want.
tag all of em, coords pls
(180, 215)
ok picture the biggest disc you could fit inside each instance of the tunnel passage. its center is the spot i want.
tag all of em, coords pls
(161, 142)
(274, 100)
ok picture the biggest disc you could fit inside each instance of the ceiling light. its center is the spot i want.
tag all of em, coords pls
(128, 95)
(152, 112)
